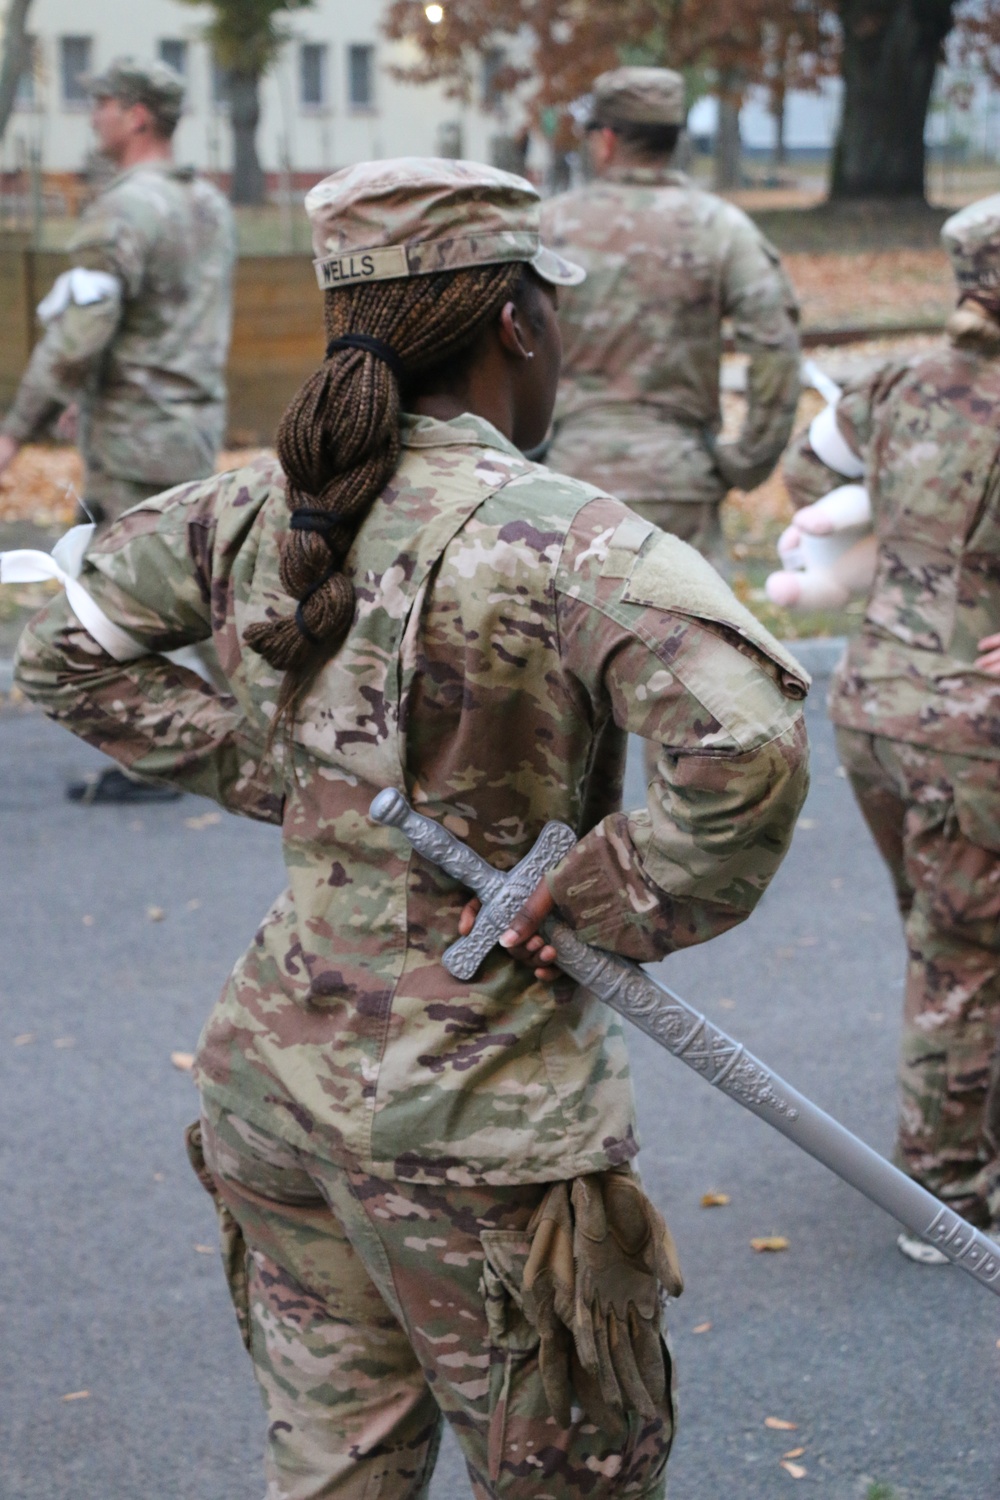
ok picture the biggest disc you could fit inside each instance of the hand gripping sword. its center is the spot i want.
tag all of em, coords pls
(679, 1028)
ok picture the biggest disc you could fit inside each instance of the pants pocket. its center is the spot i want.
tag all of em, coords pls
(512, 1339)
(231, 1241)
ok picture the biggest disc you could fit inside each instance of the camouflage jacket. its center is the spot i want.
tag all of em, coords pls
(927, 431)
(639, 399)
(511, 627)
(146, 363)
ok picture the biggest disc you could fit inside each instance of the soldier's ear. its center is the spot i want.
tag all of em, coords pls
(514, 334)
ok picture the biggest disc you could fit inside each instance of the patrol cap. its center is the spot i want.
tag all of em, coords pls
(972, 240)
(415, 215)
(154, 84)
(637, 96)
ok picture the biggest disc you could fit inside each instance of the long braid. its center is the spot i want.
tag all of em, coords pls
(339, 443)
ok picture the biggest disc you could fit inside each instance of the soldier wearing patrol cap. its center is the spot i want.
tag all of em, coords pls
(638, 409)
(916, 700)
(432, 1177)
(136, 333)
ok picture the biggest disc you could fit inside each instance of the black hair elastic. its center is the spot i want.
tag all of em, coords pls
(384, 352)
(309, 518)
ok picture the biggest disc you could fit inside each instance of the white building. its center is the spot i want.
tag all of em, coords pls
(329, 100)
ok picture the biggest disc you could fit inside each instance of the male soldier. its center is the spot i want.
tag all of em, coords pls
(638, 408)
(136, 334)
(916, 704)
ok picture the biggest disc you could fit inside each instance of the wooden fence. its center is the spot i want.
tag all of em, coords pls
(277, 330)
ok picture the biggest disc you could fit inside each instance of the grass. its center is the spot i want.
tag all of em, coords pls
(880, 1491)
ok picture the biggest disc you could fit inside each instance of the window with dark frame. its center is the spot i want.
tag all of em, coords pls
(74, 65)
(361, 76)
(312, 75)
(220, 85)
(174, 52)
(494, 59)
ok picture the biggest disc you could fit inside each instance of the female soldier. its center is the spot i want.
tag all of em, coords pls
(916, 704)
(403, 600)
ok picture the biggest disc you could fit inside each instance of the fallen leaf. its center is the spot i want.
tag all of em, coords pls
(88, 920)
(182, 1060)
(778, 1424)
(806, 823)
(714, 1200)
(24, 1038)
(794, 1453)
(205, 1249)
(64, 1041)
(155, 913)
(770, 1242)
(75, 1396)
(701, 1328)
(204, 820)
(193, 904)
(796, 1470)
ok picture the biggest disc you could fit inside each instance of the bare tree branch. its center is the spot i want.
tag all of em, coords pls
(14, 57)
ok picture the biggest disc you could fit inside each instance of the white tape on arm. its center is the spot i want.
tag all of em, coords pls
(80, 286)
(63, 565)
(830, 446)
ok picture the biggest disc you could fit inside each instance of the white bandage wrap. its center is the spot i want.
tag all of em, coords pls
(830, 446)
(80, 286)
(64, 564)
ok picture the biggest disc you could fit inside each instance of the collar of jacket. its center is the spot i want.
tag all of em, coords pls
(463, 431)
(653, 176)
(167, 168)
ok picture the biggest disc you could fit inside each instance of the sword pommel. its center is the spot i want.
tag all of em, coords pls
(389, 807)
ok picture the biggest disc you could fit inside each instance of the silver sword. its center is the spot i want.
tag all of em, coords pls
(679, 1028)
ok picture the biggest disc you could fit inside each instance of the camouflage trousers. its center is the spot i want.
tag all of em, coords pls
(374, 1310)
(936, 821)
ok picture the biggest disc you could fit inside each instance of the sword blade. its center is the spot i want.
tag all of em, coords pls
(717, 1057)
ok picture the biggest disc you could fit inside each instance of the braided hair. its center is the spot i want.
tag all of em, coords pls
(339, 441)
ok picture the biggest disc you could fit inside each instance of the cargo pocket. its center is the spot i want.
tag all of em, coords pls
(513, 1341)
(231, 1241)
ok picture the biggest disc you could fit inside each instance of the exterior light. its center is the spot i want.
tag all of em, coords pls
(434, 14)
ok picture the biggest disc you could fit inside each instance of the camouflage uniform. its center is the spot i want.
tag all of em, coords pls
(666, 262)
(376, 1133)
(145, 361)
(918, 729)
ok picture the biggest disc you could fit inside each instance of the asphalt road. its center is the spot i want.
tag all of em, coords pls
(889, 1371)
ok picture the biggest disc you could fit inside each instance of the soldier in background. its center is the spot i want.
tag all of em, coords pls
(638, 408)
(137, 332)
(916, 705)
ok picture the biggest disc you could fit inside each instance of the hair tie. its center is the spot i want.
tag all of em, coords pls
(308, 518)
(384, 352)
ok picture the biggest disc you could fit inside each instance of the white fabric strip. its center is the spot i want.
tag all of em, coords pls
(830, 446)
(80, 286)
(64, 564)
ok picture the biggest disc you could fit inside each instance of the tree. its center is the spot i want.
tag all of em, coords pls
(246, 37)
(891, 51)
(800, 48)
(15, 56)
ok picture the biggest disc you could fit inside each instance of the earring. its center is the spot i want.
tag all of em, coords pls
(529, 353)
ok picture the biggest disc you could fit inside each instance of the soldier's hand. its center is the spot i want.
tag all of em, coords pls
(989, 661)
(521, 939)
(8, 451)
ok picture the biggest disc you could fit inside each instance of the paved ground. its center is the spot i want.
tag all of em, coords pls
(888, 1371)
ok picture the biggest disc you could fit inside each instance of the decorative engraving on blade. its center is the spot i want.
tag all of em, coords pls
(463, 958)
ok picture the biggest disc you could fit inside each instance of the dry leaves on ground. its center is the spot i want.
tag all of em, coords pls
(701, 1328)
(872, 288)
(75, 1396)
(155, 913)
(778, 1424)
(773, 1242)
(714, 1200)
(184, 1061)
(204, 820)
(795, 1470)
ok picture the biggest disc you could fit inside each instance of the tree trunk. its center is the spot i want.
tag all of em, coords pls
(15, 57)
(727, 132)
(891, 52)
(244, 117)
(780, 154)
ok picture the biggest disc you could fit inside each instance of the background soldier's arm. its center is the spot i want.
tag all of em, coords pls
(730, 778)
(155, 574)
(759, 299)
(810, 474)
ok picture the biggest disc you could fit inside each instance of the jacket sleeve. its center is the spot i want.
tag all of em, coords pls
(155, 574)
(759, 299)
(831, 450)
(730, 776)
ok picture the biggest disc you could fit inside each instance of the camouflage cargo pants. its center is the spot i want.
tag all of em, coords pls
(372, 1310)
(936, 821)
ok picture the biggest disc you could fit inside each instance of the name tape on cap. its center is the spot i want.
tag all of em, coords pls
(362, 265)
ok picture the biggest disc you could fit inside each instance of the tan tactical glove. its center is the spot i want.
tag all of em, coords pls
(600, 1253)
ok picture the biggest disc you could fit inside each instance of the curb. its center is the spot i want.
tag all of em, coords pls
(818, 655)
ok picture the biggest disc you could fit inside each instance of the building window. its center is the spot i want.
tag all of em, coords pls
(494, 61)
(74, 65)
(220, 85)
(361, 77)
(174, 53)
(312, 75)
(26, 94)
